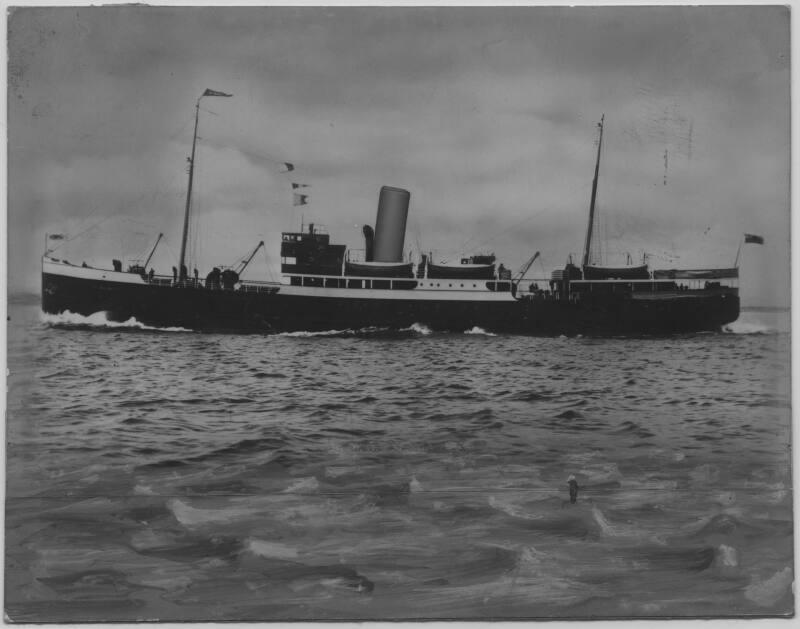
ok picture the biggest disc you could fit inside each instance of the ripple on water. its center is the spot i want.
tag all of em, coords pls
(373, 473)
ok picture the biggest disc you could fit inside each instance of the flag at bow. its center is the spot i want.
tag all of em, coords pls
(209, 92)
(758, 240)
(300, 199)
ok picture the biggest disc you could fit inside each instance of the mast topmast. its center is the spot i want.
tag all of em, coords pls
(182, 262)
(589, 228)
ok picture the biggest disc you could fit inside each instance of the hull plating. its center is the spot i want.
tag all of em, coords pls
(235, 311)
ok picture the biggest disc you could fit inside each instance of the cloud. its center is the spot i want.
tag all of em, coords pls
(486, 114)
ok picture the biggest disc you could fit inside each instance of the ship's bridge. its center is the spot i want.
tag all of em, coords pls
(310, 251)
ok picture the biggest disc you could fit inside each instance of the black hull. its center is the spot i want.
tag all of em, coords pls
(236, 311)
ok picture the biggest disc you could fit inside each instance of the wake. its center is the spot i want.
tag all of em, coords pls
(747, 327)
(100, 320)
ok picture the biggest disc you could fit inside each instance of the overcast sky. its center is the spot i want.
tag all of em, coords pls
(488, 116)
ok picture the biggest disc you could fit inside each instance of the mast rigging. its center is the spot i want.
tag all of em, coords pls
(589, 228)
(245, 263)
(152, 251)
(182, 262)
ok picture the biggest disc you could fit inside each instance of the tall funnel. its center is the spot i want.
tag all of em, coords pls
(390, 224)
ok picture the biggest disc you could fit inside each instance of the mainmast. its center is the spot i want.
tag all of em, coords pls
(594, 197)
(182, 263)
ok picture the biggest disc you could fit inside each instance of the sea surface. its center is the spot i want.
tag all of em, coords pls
(171, 475)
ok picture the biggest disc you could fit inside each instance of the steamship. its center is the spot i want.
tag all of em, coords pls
(324, 286)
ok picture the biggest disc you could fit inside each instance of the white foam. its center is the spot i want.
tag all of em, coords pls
(727, 556)
(530, 557)
(419, 328)
(746, 327)
(512, 509)
(414, 486)
(309, 483)
(190, 516)
(623, 531)
(304, 334)
(768, 592)
(344, 332)
(601, 472)
(334, 471)
(477, 330)
(271, 550)
(101, 320)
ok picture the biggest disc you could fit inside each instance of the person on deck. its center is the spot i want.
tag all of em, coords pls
(213, 279)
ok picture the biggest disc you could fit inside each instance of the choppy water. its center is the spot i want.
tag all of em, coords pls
(369, 475)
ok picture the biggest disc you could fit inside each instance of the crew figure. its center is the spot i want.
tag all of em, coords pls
(213, 278)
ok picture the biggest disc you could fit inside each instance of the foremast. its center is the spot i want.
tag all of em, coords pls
(589, 228)
(182, 262)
